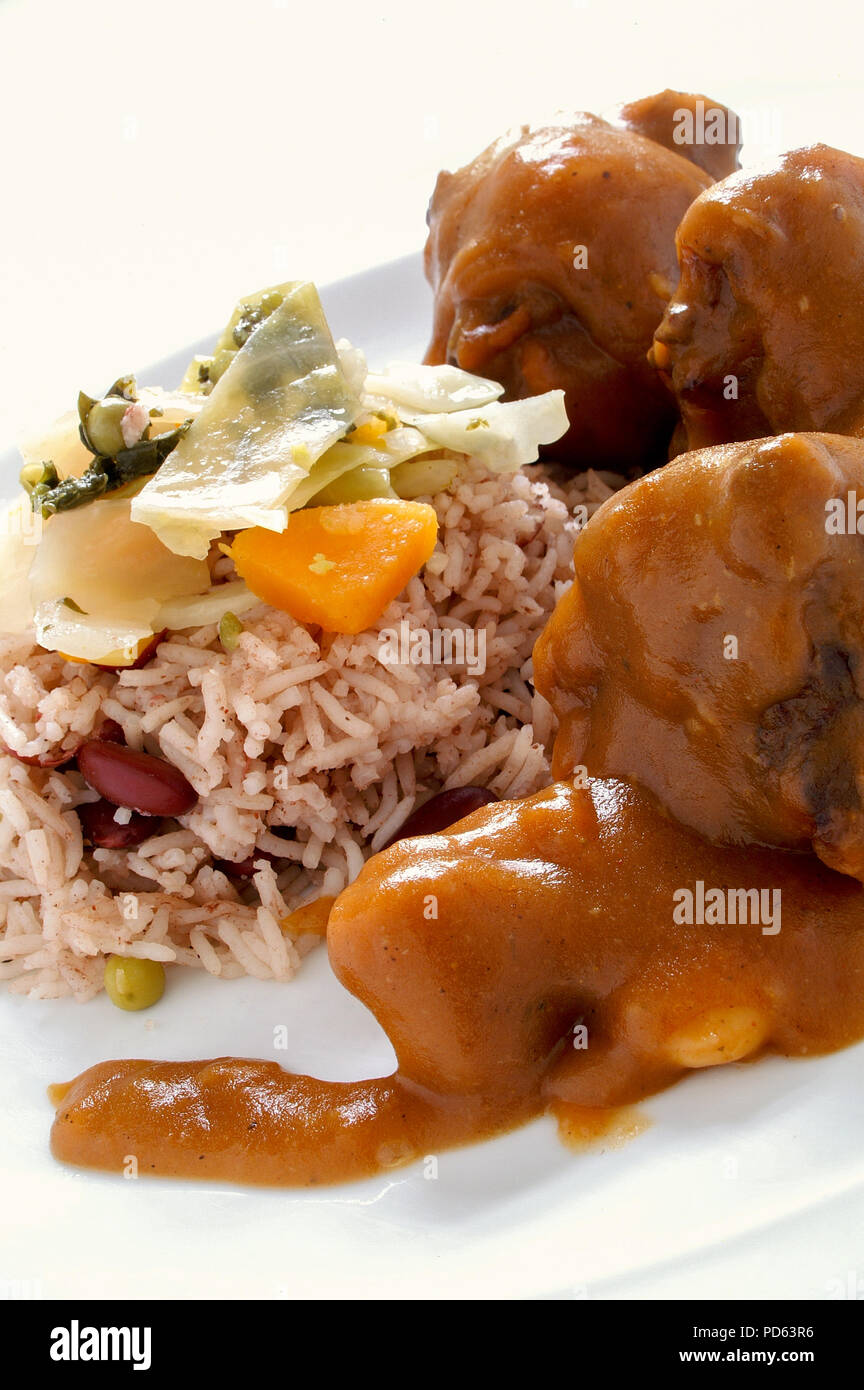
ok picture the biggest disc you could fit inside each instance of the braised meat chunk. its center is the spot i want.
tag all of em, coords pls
(696, 127)
(765, 332)
(552, 258)
(711, 646)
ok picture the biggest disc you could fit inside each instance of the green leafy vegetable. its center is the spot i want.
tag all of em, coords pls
(282, 403)
(38, 475)
(115, 465)
(104, 474)
(249, 314)
(71, 492)
(147, 455)
(253, 311)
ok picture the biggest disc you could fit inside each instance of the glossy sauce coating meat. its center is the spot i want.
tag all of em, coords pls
(552, 257)
(712, 645)
(765, 332)
(551, 914)
(696, 127)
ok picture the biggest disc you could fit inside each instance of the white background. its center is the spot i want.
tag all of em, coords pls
(161, 159)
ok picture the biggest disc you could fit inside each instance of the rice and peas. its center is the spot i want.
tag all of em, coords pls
(307, 747)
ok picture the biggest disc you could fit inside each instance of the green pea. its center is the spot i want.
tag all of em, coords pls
(35, 475)
(131, 983)
(230, 628)
(103, 426)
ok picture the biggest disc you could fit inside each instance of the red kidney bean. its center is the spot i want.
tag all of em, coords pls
(137, 780)
(442, 811)
(109, 731)
(243, 868)
(56, 758)
(104, 832)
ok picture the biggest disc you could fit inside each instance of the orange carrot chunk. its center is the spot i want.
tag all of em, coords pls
(338, 567)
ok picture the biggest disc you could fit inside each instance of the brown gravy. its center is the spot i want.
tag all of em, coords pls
(528, 960)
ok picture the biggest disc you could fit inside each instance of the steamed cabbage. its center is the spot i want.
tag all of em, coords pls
(282, 402)
(443, 388)
(201, 609)
(87, 637)
(503, 435)
(110, 565)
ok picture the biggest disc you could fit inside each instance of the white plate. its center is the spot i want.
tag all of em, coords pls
(747, 1183)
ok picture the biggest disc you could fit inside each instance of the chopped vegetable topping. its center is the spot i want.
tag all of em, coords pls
(117, 575)
(358, 485)
(78, 636)
(423, 477)
(121, 658)
(230, 628)
(201, 609)
(435, 389)
(237, 466)
(281, 436)
(252, 312)
(38, 475)
(111, 566)
(101, 421)
(504, 435)
(344, 459)
(370, 431)
(49, 498)
(370, 551)
(116, 430)
(61, 444)
(203, 372)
